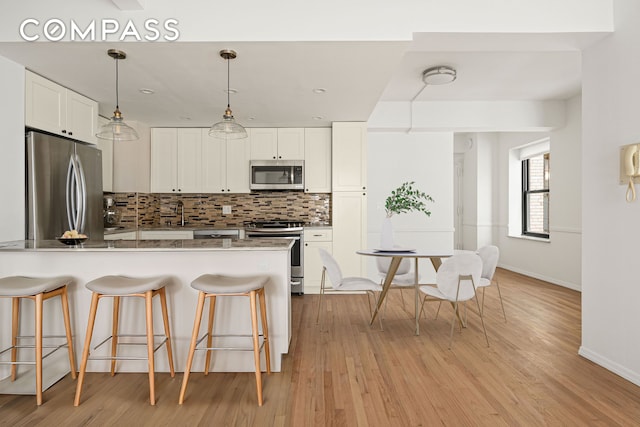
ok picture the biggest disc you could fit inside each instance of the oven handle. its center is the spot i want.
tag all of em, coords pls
(273, 237)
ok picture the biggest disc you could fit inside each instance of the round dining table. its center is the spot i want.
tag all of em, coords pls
(397, 255)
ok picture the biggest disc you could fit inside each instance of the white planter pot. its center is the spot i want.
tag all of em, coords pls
(386, 234)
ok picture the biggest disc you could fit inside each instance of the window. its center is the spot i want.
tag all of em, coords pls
(535, 196)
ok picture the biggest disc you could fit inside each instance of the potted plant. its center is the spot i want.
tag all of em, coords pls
(403, 199)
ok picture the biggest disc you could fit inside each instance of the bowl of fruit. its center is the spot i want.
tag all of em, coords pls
(72, 237)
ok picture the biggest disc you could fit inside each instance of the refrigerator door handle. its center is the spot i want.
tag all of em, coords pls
(82, 194)
(74, 195)
(70, 200)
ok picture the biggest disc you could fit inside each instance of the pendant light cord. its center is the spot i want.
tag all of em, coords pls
(117, 97)
(228, 95)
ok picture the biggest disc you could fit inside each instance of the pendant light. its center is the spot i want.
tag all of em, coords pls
(116, 129)
(228, 128)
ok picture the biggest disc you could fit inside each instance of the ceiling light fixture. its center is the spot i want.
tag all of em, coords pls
(440, 75)
(116, 129)
(228, 128)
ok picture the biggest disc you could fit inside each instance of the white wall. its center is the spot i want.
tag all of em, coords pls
(12, 219)
(480, 200)
(427, 159)
(558, 260)
(611, 226)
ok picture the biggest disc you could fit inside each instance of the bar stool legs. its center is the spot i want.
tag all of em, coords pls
(137, 287)
(212, 286)
(38, 289)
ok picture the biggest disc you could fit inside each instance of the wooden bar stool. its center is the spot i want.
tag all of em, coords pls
(212, 286)
(121, 286)
(37, 289)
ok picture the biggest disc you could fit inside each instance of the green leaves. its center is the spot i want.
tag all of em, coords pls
(406, 199)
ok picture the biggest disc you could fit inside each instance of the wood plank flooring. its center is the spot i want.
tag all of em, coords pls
(351, 374)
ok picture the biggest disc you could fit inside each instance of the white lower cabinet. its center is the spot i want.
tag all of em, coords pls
(166, 234)
(315, 238)
(349, 221)
(127, 235)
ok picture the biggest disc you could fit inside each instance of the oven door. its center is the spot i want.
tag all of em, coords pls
(297, 256)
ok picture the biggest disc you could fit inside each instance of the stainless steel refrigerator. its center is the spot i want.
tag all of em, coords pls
(64, 187)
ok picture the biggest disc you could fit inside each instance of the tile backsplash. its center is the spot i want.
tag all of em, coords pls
(205, 210)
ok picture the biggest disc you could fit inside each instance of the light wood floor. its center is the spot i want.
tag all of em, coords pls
(352, 374)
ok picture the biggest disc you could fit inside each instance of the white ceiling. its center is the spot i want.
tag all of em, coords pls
(275, 80)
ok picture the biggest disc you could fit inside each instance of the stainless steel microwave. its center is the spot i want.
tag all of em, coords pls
(277, 174)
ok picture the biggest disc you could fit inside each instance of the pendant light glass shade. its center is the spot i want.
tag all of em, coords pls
(228, 128)
(116, 129)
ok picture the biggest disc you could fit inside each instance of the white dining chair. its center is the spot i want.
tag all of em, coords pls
(339, 283)
(456, 281)
(489, 255)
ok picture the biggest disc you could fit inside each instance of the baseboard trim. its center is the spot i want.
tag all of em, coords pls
(553, 280)
(610, 365)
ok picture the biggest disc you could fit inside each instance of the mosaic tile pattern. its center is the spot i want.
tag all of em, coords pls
(161, 210)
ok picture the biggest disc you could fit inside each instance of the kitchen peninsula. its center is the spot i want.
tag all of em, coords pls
(183, 261)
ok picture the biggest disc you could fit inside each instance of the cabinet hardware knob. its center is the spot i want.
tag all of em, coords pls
(70, 133)
(274, 157)
(64, 131)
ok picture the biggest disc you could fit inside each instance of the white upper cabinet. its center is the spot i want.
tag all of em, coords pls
(277, 143)
(317, 160)
(349, 156)
(264, 143)
(225, 164)
(56, 109)
(176, 156)
(290, 143)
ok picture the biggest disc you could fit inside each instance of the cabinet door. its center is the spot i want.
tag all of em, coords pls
(290, 144)
(349, 231)
(45, 104)
(214, 167)
(313, 266)
(189, 160)
(106, 146)
(264, 143)
(349, 155)
(82, 115)
(164, 149)
(237, 167)
(317, 160)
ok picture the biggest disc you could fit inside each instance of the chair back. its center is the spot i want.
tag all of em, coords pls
(448, 276)
(383, 263)
(489, 255)
(332, 267)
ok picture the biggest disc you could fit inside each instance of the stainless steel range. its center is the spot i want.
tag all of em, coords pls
(283, 229)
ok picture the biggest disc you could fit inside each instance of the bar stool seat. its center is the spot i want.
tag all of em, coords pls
(122, 286)
(38, 289)
(214, 285)
(218, 284)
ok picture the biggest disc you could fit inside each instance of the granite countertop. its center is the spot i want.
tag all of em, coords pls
(150, 245)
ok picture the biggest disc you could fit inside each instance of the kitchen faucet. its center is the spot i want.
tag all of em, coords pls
(181, 207)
